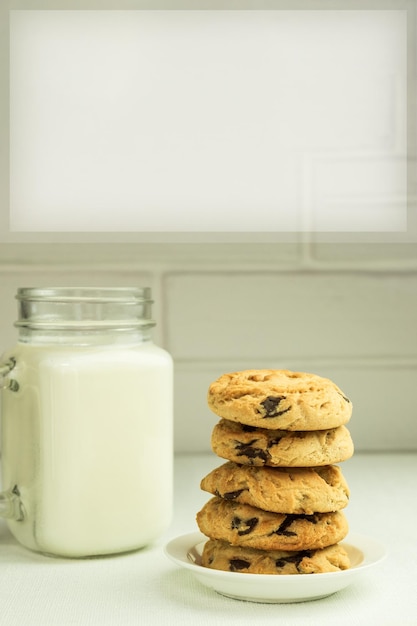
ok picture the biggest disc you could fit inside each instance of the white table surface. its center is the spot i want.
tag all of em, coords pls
(148, 589)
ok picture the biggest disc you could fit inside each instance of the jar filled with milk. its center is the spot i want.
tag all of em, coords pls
(87, 421)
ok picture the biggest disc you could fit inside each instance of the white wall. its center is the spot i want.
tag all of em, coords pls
(345, 311)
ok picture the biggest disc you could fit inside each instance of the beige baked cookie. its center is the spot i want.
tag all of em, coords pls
(280, 448)
(221, 555)
(245, 525)
(280, 490)
(279, 399)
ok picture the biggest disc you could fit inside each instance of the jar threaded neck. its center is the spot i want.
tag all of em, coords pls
(85, 309)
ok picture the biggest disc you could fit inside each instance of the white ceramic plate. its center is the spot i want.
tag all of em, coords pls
(364, 553)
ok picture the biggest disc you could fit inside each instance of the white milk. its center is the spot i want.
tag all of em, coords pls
(87, 439)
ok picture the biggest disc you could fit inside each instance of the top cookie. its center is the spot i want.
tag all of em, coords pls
(279, 399)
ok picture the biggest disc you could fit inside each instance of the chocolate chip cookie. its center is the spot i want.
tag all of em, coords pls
(279, 399)
(245, 525)
(280, 448)
(280, 490)
(220, 555)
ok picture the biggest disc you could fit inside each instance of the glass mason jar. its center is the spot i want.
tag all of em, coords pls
(87, 422)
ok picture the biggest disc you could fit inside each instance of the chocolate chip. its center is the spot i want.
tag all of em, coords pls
(244, 527)
(282, 530)
(274, 442)
(271, 404)
(251, 524)
(251, 452)
(295, 558)
(289, 519)
(235, 565)
(232, 495)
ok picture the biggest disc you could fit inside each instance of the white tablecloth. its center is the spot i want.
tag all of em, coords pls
(148, 589)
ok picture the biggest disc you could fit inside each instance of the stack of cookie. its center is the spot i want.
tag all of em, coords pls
(278, 500)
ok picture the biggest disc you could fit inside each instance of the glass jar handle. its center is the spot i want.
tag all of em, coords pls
(10, 503)
(5, 369)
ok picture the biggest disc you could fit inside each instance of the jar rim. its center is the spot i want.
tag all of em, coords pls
(125, 295)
